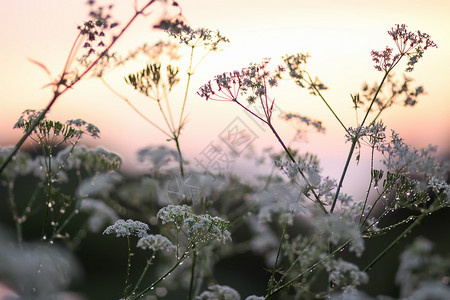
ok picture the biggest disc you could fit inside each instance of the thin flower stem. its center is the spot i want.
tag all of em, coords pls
(180, 157)
(313, 266)
(317, 199)
(402, 235)
(57, 93)
(355, 141)
(189, 73)
(191, 284)
(166, 98)
(326, 103)
(48, 203)
(134, 107)
(272, 276)
(149, 262)
(369, 187)
(164, 116)
(177, 263)
(127, 278)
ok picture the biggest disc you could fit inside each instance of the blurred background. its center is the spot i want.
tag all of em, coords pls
(339, 35)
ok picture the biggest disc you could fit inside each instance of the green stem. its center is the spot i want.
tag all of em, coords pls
(178, 262)
(369, 187)
(326, 103)
(317, 199)
(48, 203)
(279, 288)
(191, 284)
(272, 277)
(189, 72)
(355, 140)
(149, 262)
(180, 157)
(134, 107)
(402, 235)
(127, 278)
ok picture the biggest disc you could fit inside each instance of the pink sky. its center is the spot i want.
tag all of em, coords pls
(338, 34)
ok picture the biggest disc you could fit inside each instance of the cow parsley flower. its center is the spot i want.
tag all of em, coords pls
(410, 44)
(219, 292)
(199, 228)
(155, 242)
(345, 274)
(127, 228)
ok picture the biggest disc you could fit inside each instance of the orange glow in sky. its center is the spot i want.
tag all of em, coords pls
(339, 35)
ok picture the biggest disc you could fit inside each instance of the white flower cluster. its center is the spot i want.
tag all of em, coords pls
(375, 132)
(155, 242)
(440, 186)
(345, 274)
(93, 160)
(283, 200)
(219, 292)
(127, 228)
(199, 228)
(339, 229)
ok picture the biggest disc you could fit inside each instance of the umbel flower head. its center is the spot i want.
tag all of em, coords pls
(155, 242)
(199, 228)
(54, 133)
(410, 44)
(252, 80)
(127, 228)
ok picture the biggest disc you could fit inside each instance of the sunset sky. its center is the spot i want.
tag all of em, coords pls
(339, 35)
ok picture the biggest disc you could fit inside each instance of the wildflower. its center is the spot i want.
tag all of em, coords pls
(200, 37)
(174, 213)
(375, 132)
(338, 229)
(284, 200)
(155, 242)
(94, 161)
(345, 274)
(251, 81)
(54, 133)
(411, 44)
(219, 292)
(199, 228)
(127, 228)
